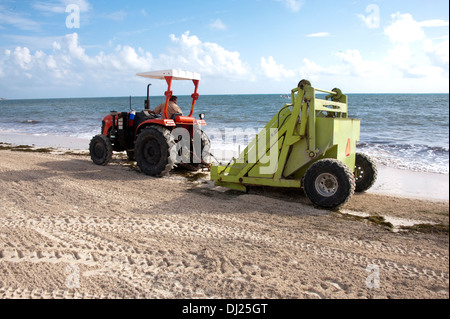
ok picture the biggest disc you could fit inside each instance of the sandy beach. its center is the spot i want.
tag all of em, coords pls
(71, 229)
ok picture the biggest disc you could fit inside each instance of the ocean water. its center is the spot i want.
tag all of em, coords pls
(406, 131)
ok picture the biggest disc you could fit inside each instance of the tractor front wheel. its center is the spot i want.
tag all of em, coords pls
(365, 172)
(155, 151)
(101, 150)
(329, 183)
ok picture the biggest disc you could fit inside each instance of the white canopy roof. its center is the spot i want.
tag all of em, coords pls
(175, 74)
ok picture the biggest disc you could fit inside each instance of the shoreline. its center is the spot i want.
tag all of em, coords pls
(390, 182)
(409, 184)
(53, 141)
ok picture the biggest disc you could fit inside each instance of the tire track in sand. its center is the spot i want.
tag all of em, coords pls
(79, 234)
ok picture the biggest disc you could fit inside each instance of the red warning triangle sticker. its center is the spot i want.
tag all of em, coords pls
(348, 148)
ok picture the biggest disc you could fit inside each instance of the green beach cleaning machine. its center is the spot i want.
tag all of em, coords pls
(310, 144)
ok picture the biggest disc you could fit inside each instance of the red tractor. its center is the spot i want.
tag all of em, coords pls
(157, 144)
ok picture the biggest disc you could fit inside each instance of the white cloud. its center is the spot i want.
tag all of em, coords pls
(311, 70)
(8, 17)
(218, 24)
(349, 63)
(434, 23)
(67, 64)
(59, 6)
(413, 63)
(22, 57)
(353, 63)
(404, 29)
(275, 71)
(319, 34)
(414, 53)
(49, 7)
(127, 58)
(439, 52)
(204, 57)
(23, 22)
(293, 5)
(34, 42)
(399, 55)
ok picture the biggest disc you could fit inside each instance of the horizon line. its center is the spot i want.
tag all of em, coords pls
(188, 95)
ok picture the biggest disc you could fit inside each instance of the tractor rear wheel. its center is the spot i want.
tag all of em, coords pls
(155, 151)
(365, 172)
(101, 150)
(329, 183)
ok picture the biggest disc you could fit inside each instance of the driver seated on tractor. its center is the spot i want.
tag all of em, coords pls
(172, 108)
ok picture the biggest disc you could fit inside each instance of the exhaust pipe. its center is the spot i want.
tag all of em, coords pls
(147, 102)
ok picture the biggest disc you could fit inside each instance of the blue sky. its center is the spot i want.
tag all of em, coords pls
(238, 46)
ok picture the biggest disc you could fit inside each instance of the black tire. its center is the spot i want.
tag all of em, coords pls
(155, 151)
(366, 172)
(329, 183)
(101, 150)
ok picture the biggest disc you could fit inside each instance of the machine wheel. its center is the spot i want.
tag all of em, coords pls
(365, 172)
(329, 183)
(101, 150)
(155, 151)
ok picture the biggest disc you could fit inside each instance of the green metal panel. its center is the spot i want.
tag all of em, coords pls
(346, 132)
(329, 132)
(298, 157)
(267, 165)
(233, 185)
(257, 149)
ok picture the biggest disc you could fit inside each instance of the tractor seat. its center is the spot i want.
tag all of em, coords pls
(149, 115)
(143, 116)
